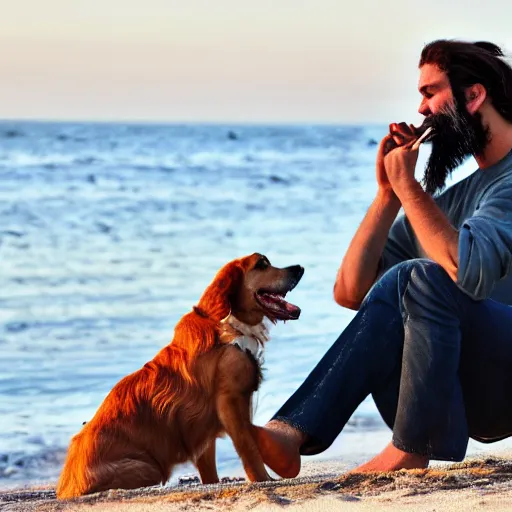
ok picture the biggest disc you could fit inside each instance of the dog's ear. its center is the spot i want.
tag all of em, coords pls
(216, 299)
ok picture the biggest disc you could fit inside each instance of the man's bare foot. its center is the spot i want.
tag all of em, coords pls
(279, 445)
(393, 459)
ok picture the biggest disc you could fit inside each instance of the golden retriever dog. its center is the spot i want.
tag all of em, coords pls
(196, 389)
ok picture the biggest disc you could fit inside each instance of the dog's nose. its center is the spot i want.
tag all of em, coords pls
(297, 270)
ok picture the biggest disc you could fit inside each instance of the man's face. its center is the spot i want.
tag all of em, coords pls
(457, 134)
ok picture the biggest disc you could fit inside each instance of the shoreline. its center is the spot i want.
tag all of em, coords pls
(477, 482)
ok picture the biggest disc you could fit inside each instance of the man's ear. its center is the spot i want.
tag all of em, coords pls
(475, 96)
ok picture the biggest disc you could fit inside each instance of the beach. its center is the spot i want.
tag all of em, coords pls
(483, 483)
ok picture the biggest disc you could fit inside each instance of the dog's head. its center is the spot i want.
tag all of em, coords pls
(251, 288)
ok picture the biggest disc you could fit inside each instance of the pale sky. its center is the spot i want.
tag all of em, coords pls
(228, 60)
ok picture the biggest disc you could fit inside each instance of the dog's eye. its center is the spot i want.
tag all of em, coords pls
(262, 264)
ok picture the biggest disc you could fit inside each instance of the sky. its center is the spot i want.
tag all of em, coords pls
(305, 61)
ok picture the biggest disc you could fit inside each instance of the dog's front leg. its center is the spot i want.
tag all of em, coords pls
(206, 465)
(234, 414)
(237, 379)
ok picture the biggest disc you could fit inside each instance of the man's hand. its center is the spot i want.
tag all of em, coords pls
(386, 144)
(399, 158)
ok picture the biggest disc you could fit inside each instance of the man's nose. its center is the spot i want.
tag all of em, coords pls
(424, 109)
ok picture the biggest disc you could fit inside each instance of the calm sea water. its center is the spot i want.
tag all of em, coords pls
(109, 233)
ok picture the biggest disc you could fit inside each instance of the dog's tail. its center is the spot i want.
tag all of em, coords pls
(74, 479)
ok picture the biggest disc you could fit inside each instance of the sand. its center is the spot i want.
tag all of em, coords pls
(483, 484)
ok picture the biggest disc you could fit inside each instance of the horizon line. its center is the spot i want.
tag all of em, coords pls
(170, 122)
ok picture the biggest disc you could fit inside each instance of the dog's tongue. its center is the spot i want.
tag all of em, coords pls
(281, 309)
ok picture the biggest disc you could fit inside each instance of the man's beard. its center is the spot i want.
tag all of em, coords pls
(456, 135)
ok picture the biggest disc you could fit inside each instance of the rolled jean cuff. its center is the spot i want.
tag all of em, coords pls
(424, 451)
(293, 424)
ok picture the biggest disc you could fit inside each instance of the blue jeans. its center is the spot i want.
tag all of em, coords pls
(438, 364)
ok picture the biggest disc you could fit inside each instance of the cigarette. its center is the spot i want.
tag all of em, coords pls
(416, 145)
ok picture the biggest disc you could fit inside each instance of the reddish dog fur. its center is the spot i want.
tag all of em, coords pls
(195, 389)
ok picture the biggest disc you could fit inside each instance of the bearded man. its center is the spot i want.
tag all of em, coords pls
(432, 338)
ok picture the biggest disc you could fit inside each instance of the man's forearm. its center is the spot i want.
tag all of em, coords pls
(359, 267)
(438, 238)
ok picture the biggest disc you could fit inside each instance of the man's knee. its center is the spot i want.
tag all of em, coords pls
(428, 288)
(428, 272)
(418, 277)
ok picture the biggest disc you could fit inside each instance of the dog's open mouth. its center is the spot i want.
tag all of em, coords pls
(276, 307)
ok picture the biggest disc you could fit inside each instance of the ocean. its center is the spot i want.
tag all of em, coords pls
(109, 233)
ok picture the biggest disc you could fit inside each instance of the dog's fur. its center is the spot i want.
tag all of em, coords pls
(195, 389)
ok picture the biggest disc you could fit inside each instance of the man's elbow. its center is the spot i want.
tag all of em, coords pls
(341, 298)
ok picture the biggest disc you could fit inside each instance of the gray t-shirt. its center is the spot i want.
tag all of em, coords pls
(480, 208)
